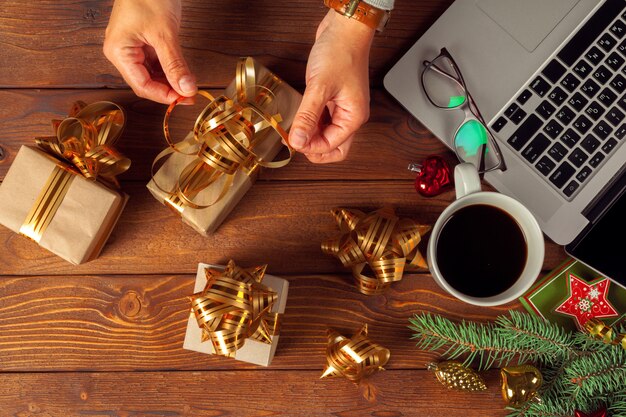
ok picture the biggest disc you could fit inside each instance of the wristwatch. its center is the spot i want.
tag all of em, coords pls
(359, 10)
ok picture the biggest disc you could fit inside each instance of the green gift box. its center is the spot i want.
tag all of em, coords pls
(553, 290)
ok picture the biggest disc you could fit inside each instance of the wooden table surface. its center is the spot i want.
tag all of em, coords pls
(105, 338)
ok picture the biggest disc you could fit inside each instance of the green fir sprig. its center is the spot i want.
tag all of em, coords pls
(580, 373)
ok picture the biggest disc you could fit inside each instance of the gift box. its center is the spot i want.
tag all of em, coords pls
(573, 293)
(253, 349)
(203, 177)
(67, 205)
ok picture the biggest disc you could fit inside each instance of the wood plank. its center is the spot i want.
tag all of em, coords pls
(280, 223)
(59, 43)
(138, 322)
(245, 394)
(382, 150)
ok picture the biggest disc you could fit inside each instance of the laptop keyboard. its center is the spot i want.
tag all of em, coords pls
(571, 117)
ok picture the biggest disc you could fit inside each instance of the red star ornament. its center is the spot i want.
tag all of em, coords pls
(587, 301)
(599, 413)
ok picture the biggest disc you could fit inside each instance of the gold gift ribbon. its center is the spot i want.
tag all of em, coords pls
(380, 241)
(599, 330)
(225, 135)
(353, 358)
(235, 306)
(83, 145)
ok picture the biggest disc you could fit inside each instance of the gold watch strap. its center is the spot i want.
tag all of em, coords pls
(356, 9)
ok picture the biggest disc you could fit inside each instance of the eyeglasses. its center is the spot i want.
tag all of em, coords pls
(445, 88)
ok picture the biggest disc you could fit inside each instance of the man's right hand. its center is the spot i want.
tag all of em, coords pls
(142, 42)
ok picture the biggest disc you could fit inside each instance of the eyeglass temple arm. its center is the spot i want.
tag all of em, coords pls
(441, 72)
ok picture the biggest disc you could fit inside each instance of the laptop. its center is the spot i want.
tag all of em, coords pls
(549, 78)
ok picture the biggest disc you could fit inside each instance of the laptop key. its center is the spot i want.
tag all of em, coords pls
(590, 143)
(621, 132)
(512, 109)
(570, 138)
(553, 129)
(554, 71)
(545, 109)
(618, 28)
(565, 115)
(602, 74)
(578, 101)
(545, 165)
(609, 146)
(619, 83)
(525, 131)
(524, 96)
(594, 110)
(558, 96)
(590, 88)
(595, 56)
(607, 42)
(602, 129)
(540, 86)
(615, 61)
(571, 188)
(578, 157)
(607, 97)
(582, 69)
(499, 124)
(536, 148)
(582, 124)
(622, 47)
(596, 160)
(615, 116)
(570, 82)
(583, 174)
(518, 116)
(562, 174)
(622, 102)
(590, 31)
(557, 152)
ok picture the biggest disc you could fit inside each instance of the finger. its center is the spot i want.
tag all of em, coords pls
(130, 63)
(340, 153)
(175, 67)
(305, 123)
(344, 123)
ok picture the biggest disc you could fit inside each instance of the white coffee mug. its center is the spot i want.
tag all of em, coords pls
(468, 193)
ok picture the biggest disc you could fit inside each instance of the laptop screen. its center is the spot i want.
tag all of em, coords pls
(603, 247)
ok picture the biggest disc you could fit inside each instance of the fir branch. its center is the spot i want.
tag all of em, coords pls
(601, 373)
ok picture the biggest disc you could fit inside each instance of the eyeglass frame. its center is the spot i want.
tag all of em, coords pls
(469, 107)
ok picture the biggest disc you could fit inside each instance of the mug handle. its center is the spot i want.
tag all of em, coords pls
(466, 180)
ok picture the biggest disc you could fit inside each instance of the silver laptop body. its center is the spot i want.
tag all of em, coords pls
(501, 47)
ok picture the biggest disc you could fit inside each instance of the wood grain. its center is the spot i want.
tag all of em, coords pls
(383, 148)
(243, 394)
(138, 322)
(54, 43)
(280, 223)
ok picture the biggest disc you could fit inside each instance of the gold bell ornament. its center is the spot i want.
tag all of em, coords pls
(520, 384)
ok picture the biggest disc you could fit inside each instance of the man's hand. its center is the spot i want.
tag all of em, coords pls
(336, 79)
(142, 42)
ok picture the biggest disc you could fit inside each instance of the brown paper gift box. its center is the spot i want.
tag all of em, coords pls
(83, 221)
(207, 220)
(254, 352)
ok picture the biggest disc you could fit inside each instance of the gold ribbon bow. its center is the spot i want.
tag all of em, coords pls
(224, 138)
(599, 330)
(235, 306)
(380, 241)
(83, 144)
(353, 358)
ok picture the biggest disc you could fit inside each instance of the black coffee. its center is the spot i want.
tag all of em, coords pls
(481, 251)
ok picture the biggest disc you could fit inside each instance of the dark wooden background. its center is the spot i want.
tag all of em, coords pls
(105, 338)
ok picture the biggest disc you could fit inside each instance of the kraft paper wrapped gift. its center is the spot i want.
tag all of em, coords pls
(285, 103)
(254, 352)
(84, 219)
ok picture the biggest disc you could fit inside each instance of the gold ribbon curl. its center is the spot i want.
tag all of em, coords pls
(599, 330)
(378, 241)
(354, 358)
(83, 144)
(224, 139)
(235, 306)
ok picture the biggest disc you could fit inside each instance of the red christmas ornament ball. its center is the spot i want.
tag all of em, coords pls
(434, 174)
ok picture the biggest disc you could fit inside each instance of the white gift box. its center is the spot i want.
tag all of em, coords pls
(254, 352)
